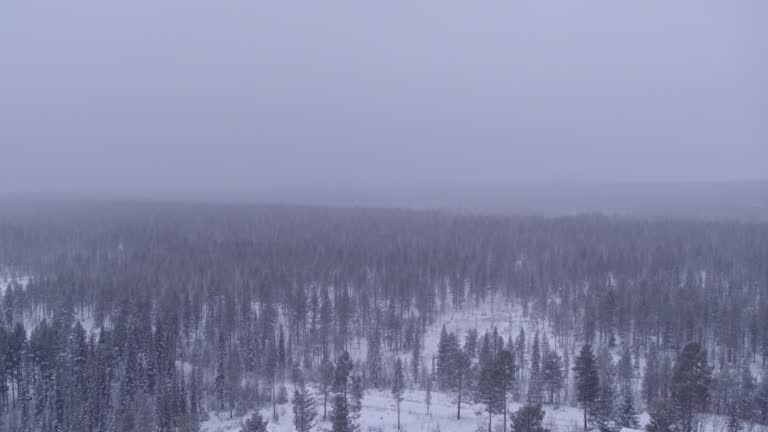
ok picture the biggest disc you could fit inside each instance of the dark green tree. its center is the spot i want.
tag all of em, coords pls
(398, 387)
(587, 380)
(255, 424)
(691, 380)
(529, 418)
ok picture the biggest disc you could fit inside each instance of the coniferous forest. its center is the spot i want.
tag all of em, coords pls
(160, 317)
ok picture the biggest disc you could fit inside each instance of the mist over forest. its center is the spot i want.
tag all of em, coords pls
(351, 216)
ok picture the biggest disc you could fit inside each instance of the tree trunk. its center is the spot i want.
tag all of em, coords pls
(398, 416)
(490, 415)
(505, 416)
(585, 416)
(458, 405)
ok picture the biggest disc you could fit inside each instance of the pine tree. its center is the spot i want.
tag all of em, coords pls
(491, 389)
(505, 371)
(255, 424)
(341, 374)
(398, 387)
(416, 359)
(271, 372)
(690, 383)
(651, 382)
(446, 360)
(220, 382)
(304, 411)
(233, 379)
(587, 381)
(552, 374)
(734, 423)
(326, 383)
(428, 393)
(470, 343)
(340, 415)
(485, 355)
(663, 418)
(746, 404)
(461, 364)
(535, 388)
(356, 393)
(761, 400)
(625, 371)
(603, 411)
(529, 418)
(374, 358)
(627, 415)
(520, 348)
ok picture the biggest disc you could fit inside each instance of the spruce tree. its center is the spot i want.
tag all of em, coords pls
(220, 382)
(326, 383)
(691, 380)
(461, 364)
(734, 423)
(374, 358)
(356, 394)
(587, 381)
(470, 343)
(761, 400)
(627, 415)
(529, 418)
(535, 385)
(651, 381)
(625, 371)
(746, 405)
(428, 393)
(398, 387)
(416, 358)
(505, 371)
(340, 415)
(552, 374)
(341, 374)
(603, 410)
(304, 411)
(491, 389)
(663, 418)
(447, 350)
(255, 423)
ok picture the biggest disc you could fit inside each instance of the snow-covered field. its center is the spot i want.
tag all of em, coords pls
(379, 415)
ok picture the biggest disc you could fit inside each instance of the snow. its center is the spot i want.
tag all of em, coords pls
(379, 415)
(7, 278)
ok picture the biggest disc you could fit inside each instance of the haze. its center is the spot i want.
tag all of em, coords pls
(224, 99)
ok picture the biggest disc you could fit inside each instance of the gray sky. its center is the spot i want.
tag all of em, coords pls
(164, 97)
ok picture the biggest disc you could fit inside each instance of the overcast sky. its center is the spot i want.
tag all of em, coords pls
(163, 97)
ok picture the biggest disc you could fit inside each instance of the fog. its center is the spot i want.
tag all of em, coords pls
(243, 99)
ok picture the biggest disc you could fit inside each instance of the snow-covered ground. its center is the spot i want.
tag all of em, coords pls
(379, 415)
